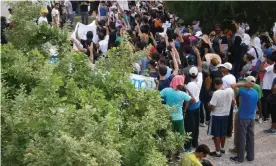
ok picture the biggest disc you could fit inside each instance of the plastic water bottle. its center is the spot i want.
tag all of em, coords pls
(235, 109)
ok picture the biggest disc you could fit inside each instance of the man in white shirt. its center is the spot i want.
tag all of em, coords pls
(103, 41)
(269, 75)
(227, 80)
(192, 109)
(220, 105)
(43, 17)
(56, 15)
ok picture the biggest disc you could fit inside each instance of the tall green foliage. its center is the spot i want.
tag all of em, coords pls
(259, 14)
(65, 113)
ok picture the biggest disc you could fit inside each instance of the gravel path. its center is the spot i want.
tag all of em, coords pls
(265, 148)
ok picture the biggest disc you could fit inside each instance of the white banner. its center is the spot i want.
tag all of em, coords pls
(142, 82)
(82, 31)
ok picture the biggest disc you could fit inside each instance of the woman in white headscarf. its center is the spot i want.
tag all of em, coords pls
(256, 51)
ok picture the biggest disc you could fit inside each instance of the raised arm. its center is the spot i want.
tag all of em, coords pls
(176, 68)
(199, 62)
(78, 46)
(153, 40)
(91, 50)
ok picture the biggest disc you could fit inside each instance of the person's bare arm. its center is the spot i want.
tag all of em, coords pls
(221, 50)
(236, 25)
(237, 85)
(153, 40)
(212, 107)
(91, 50)
(78, 46)
(199, 62)
(176, 68)
(176, 53)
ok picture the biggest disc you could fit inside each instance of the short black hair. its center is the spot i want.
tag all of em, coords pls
(112, 25)
(203, 148)
(155, 56)
(153, 63)
(163, 70)
(218, 81)
(101, 36)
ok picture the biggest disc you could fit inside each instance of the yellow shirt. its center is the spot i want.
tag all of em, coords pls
(189, 159)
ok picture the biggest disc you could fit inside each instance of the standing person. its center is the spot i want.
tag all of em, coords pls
(174, 97)
(4, 25)
(246, 122)
(240, 102)
(220, 105)
(228, 79)
(192, 110)
(269, 75)
(163, 81)
(272, 106)
(56, 16)
(43, 17)
(69, 11)
(84, 11)
(248, 66)
(257, 52)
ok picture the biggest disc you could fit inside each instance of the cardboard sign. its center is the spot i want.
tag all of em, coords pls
(142, 82)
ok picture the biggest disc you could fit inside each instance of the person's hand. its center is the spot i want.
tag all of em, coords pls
(220, 41)
(249, 84)
(233, 21)
(266, 34)
(73, 39)
(151, 35)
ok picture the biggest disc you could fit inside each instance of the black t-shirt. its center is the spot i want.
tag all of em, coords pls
(85, 45)
(83, 8)
(112, 39)
(74, 5)
(165, 83)
(154, 74)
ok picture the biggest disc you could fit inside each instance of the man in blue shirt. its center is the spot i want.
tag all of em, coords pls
(249, 98)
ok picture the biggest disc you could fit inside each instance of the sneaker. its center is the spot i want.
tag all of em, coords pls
(202, 125)
(234, 151)
(214, 154)
(235, 159)
(270, 131)
(178, 158)
(222, 151)
(260, 120)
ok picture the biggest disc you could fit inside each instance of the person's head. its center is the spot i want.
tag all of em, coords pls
(212, 35)
(162, 71)
(155, 56)
(57, 5)
(10, 10)
(101, 36)
(112, 25)
(249, 81)
(248, 57)
(202, 151)
(162, 63)
(177, 82)
(89, 35)
(269, 59)
(193, 72)
(191, 60)
(218, 83)
(225, 68)
(44, 12)
(140, 45)
(152, 64)
(214, 62)
(237, 40)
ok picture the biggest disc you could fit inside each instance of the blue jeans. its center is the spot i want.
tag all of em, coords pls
(84, 17)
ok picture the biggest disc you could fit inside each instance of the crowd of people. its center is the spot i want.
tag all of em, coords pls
(225, 79)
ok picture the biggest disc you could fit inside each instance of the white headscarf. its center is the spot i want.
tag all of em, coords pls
(246, 39)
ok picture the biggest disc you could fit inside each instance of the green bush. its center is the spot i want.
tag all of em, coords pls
(65, 113)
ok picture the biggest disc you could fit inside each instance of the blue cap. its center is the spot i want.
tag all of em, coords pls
(268, 51)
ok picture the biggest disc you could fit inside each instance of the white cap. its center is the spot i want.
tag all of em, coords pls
(198, 33)
(226, 65)
(193, 71)
(250, 79)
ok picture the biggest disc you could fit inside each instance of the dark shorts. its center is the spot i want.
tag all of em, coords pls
(272, 108)
(218, 126)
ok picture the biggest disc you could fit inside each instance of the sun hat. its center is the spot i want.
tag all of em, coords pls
(44, 11)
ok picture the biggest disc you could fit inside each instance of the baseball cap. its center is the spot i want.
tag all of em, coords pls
(226, 65)
(250, 79)
(193, 71)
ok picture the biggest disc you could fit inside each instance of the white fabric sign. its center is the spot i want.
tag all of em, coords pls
(82, 31)
(142, 82)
